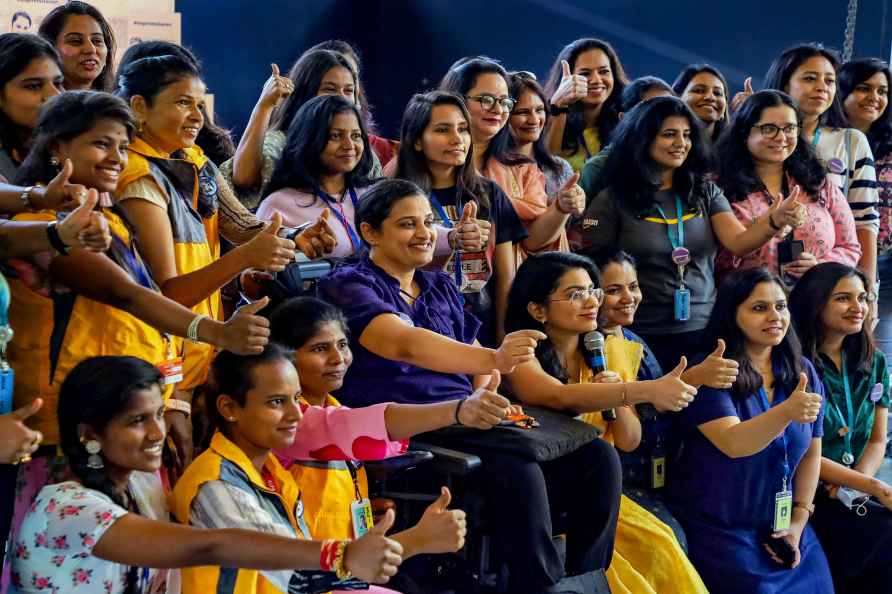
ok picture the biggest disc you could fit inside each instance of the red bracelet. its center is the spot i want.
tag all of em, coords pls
(328, 555)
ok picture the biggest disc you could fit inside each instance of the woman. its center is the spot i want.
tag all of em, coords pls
(704, 89)
(747, 470)
(660, 208)
(413, 342)
(484, 85)
(558, 294)
(436, 153)
(527, 123)
(180, 207)
(316, 72)
(86, 43)
(325, 166)
(808, 74)
(89, 534)
(254, 404)
(30, 74)
(762, 161)
(585, 85)
(829, 306)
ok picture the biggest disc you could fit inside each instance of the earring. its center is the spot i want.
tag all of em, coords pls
(54, 161)
(139, 126)
(93, 448)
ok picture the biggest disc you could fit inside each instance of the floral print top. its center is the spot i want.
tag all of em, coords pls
(53, 552)
(884, 186)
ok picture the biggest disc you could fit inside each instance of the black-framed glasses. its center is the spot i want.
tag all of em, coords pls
(488, 101)
(582, 295)
(772, 130)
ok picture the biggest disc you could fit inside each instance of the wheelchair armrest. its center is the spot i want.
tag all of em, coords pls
(381, 470)
(450, 462)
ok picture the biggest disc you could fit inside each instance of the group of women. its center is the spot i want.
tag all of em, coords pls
(729, 250)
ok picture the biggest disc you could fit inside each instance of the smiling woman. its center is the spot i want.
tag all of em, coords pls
(705, 91)
(86, 43)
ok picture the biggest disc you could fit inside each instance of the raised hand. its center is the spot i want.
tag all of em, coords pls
(469, 235)
(788, 211)
(275, 88)
(670, 392)
(374, 558)
(715, 371)
(83, 227)
(743, 95)
(517, 348)
(440, 529)
(802, 406)
(245, 332)
(16, 439)
(485, 408)
(571, 89)
(59, 194)
(318, 239)
(268, 251)
(571, 197)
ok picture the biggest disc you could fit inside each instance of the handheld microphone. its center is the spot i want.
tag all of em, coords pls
(597, 361)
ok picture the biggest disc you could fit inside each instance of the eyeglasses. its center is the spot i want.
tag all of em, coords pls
(488, 101)
(582, 295)
(771, 131)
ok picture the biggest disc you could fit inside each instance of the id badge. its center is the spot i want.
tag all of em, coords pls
(361, 512)
(171, 371)
(783, 510)
(7, 377)
(682, 305)
(657, 471)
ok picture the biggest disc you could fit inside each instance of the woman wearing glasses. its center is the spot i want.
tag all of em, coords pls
(484, 85)
(762, 161)
(558, 294)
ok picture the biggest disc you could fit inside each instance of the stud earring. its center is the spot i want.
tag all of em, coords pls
(54, 161)
(93, 448)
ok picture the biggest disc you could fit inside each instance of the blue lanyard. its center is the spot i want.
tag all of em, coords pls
(678, 240)
(817, 137)
(4, 301)
(338, 212)
(764, 397)
(447, 222)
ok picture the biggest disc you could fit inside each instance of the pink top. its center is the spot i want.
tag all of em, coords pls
(342, 433)
(828, 232)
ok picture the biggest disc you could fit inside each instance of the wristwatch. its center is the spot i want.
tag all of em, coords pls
(555, 110)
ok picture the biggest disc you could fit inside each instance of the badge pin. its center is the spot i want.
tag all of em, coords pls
(681, 256)
(836, 166)
(848, 459)
(876, 392)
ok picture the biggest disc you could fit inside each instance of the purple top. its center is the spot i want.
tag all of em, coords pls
(364, 291)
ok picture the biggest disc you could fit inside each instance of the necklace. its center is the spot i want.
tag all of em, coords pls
(408, 294)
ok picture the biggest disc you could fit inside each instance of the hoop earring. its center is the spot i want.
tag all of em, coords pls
(94, 461)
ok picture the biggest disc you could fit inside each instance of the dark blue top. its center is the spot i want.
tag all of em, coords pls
(364, 291)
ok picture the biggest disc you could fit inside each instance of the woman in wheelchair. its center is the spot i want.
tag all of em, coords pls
(559, 294)
(412, 341)
(254, 404)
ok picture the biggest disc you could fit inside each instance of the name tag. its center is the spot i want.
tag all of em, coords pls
(783, 510)
(361, 512)
(171, 371)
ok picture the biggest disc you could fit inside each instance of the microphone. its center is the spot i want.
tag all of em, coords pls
(597, 361)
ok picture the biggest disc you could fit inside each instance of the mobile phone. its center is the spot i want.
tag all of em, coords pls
(789, 250)
(781, 548)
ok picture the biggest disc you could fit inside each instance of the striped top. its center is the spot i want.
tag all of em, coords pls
(856, 176)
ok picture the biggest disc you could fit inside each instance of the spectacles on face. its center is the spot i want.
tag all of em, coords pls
(771, 131)
(487, 101)
(580, 296)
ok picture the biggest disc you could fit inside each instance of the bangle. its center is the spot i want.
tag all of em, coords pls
(327, 554)
(809, 507)
(178, 405)
(340, 567)
(25, 197)
(52, 234)
(457, 409)
(192, 331)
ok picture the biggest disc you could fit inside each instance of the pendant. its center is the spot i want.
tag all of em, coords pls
(843, 431)
(848, 459)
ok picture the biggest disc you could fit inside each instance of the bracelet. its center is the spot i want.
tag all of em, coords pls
(178, 405)
(192, 331)
(556, 111)
(25, 197)
(52, 234)
(457, 409)
(625, 397)
(340, 568)
(327, 554)
(809, 507)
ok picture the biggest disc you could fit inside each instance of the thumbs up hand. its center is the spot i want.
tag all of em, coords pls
(440, 530)
(802, 406)
(59, 194)
(743, 95)
(267, 251)
(374, 558)
(670, 392)
(275, 89)
(318, 239)
(17, 441)
(788, 212)
(485, 408)
(83, 227)
(470, 234)
(571, 89)
(245, 333)
(570, 199)
(715, 371)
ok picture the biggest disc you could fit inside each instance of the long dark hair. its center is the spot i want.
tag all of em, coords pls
(630, 170)
(461, 78)
(536, 279)
(412, 164)
(518, 84)
(307, 74)
(214, 139)
(736, 169)
(684, 79)
(378, 201)
(296, 321)
(783, 67)
(347, 49)
(608, 117)
(853, 73)
(787, 356)
(807, 302)
(231, 374)
(96, 391)
(299, 166)
(17, 51)
(53, 24)
(65, 117)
